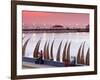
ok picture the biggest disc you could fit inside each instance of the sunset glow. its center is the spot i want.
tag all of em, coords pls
(72, 19)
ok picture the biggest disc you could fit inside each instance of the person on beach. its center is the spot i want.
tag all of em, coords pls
(40, 57)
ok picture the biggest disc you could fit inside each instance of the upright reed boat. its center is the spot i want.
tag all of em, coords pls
(36, 50)
(79, 55)
(51, 51)
(82, 55)
(68, 52)
(58, 52)
(24, 47)
(64, 55)
(87, 57)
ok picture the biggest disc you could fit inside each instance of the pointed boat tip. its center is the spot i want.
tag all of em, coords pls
(81, 44)
(54, 39)
(23, 38)
(84, 42)
(40, 38)
(61, 41)
(24, 47)
(88, 49)
(70, 42)
(28, 39)
(66, 42)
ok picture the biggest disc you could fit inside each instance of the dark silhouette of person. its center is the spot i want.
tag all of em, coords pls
(74, 61)
(40, 57)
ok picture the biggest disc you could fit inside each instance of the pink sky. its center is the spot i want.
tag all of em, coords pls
(30, 18)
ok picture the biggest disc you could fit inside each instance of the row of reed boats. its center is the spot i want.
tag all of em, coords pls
(48, 55)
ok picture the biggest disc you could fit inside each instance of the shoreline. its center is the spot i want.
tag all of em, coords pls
(54, 30)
